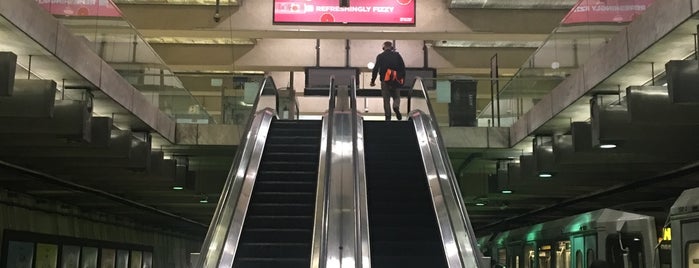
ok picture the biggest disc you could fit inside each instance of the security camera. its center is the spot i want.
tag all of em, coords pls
(217, 17)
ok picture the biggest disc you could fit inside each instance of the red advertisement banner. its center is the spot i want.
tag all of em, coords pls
(81, 8)
(359, 12)
(599, 11)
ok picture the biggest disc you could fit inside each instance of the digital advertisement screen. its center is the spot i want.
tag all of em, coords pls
(396, 12)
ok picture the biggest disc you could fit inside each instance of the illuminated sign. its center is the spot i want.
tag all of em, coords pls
(401, 12)
(81, 8)
(667, 234)
(599, 11)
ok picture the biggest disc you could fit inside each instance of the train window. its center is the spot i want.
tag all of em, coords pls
(502, 256)
(590, 256)
(530, 256)
(545, 257)
(625, 248)
(563, 254)
(693, 254)
(578, 259)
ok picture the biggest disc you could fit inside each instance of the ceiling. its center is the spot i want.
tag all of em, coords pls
(585, 177)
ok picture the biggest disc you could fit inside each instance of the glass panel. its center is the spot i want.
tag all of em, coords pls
(107, 258)
(20, 254)
(135, 260)
(46, 256)
(103, 29)
(88, 258)
(122, 260)
(588, 26)
(70, 256)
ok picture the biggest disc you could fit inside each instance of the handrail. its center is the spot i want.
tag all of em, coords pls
(319, 246)
(251, 144)
(455, 226)
(360, 192)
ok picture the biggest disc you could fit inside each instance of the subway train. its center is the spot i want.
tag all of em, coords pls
(622, 239)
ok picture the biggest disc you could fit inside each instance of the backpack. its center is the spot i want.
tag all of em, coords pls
(392, 78)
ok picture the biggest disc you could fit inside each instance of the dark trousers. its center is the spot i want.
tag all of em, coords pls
(388, 92)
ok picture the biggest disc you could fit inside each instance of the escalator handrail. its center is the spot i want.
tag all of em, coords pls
(443, 171)
(212, 248)
(360, 193)
(319, 246)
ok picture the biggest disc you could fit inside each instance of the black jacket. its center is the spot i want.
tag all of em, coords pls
(388, 59)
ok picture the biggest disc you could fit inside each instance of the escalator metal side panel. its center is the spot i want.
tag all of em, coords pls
(320, 218)
(342, 225)
(362, 210)
(219, 247)
(455, 228)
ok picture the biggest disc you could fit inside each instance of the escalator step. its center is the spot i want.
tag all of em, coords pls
(407, 261)
(293, 140)
(403, 228)
(272, 263)
(278, 227)
(283, 209)
(297, 222)
(283, 197)
(288, 175)
(289, 147)
(284, 156)
(275, 250)
(285, 186)
(402, 248)
(288, 166)
(264, 235)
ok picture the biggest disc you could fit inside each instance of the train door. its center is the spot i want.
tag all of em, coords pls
(690, 239)
(545, 258)
(590, 249)
(515, 255)
(578, 250)
(563, 254)
(502, 256)
(625, 250)
(530, 256)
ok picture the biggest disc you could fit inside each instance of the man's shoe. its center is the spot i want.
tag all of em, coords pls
(398, 115)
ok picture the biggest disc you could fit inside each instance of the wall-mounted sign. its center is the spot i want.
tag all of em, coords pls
(81, 8)
(600, 11)
(399, 12)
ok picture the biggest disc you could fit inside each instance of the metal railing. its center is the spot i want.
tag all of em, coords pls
(219, 247)
(455, 227)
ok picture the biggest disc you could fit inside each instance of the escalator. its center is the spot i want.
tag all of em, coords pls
(403, 227)
(278, 227)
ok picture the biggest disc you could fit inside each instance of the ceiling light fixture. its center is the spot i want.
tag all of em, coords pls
(607, 146)
(204, 199)
(506, 191)
(545, 175)
(177, 188)
(480, 204)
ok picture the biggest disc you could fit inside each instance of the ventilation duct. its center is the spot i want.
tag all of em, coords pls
(8, 66)
(71, 120)
(682, 80)
(664, 112)
(543, 153)
(30, 99)
(610, 121)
